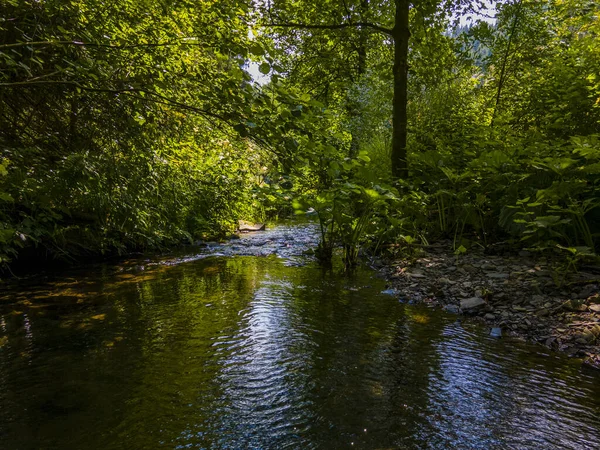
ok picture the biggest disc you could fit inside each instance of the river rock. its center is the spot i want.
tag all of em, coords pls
(471, 304)
(594, 308)
(537, 299)
(496, 332)
(247, 226)
(497, 275)
(587, 291)
(389, 292)
(469, 268)
(451, 309)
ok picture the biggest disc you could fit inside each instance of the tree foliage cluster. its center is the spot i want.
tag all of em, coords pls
(507, 145)
(138, 124)
(503, 119)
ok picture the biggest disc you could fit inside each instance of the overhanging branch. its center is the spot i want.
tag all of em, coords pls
(139, 93)
(339, 26)
(98, 45)
(128, 91)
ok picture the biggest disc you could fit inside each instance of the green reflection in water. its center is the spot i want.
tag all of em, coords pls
(246, 352)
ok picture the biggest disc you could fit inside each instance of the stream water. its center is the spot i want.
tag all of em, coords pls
(250, 345)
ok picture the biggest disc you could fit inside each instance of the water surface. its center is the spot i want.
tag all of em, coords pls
(253, 346)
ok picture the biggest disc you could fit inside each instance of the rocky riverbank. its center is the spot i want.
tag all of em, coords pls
(522, 294)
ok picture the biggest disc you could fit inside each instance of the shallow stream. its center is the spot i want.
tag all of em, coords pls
(250, 345)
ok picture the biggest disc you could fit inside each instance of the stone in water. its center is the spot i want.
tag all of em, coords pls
(496, 332)
(247, 226)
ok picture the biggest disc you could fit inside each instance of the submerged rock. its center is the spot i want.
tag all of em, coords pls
(496, 332)
(451, 309)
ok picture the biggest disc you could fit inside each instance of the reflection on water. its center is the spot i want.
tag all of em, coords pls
(269, 351)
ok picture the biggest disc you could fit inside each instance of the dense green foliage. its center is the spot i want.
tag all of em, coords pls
(100, 158)
(503, 126)
(139, 125)
(126, 128)
(508, 144)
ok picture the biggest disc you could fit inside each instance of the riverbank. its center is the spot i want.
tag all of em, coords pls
(523, 294)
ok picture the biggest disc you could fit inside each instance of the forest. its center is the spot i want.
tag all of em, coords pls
(143, 124)
(420, 183)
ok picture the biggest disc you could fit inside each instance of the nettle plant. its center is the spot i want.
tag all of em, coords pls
(564, 205)
(351, 213)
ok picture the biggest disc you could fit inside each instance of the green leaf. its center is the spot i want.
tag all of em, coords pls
(241, 129)
(460, 250)
(256, 49)
(264, 68)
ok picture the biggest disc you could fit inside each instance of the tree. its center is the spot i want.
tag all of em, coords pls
(392, 20)
(401, 35)
(118, 127)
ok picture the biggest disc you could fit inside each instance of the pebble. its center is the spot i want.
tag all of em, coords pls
(497, 275)
(520, 296)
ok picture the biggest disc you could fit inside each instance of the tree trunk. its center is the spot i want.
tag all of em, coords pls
(505, 60)
(401, 34)
(353, 107)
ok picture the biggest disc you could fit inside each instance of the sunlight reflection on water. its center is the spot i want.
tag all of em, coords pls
(238, 351)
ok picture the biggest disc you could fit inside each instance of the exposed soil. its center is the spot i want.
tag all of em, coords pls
(522, 294)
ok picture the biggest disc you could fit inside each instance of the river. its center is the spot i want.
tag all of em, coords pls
(251, 345)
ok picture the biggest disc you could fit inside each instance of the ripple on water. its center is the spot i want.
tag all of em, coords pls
(497, 398)
(222, 350)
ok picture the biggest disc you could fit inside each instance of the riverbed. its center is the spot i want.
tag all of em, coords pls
(251, 345)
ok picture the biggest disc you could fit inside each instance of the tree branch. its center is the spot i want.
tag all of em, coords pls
(94, 44)
(304, 26)
(128, 91)
(135, 93)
